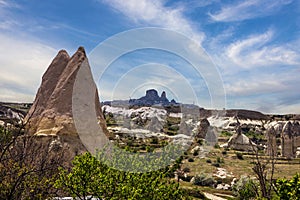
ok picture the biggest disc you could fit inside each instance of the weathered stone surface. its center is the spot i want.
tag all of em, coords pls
(271, 142)
(51, 112)
(287, 141)
(203, 128)
(241, 142)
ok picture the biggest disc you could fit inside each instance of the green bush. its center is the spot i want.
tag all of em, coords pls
(245, 188)
(289, 189)
(204, 179)
(216, 164)
(239, 155)
(154, 140)
(200, 141)
(186, 169)
(191, 160)
(226, 134)
(89, 178)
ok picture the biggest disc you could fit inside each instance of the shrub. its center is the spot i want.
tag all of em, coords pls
(239, 155)
(204, 179)
(195, 153)
(208, 160)
(149, 149)
(90, 178)
(224, 152)
(143, 147)
(186, 169)
(154, 140)
(289, 189)
(200, 142)
(191, 160)
(226, 133)
(216, 164)
(245, 188)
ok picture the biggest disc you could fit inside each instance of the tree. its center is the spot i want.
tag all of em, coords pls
(264, 168)
(245, 188)
(91, 178)
(27, 167)
(289, 189)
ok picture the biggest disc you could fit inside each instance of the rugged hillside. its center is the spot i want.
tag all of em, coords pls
(13, 113)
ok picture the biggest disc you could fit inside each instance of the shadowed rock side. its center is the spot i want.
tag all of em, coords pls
(51, 112)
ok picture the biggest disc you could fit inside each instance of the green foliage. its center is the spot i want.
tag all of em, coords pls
(27, 171)
(289, 189)
(200, 141)
(220, 160)
(171, 127)
(254, 135)
(91, 178)
(245, 188)
(204, 179)
(191, 160)
(154, 140)
(149, 149)
(226, 134)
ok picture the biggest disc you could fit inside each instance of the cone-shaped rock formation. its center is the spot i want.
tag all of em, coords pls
(51, 112)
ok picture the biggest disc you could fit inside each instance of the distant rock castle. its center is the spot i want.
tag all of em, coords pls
(152, 98)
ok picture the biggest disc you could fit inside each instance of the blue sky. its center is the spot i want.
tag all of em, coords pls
(254, 44)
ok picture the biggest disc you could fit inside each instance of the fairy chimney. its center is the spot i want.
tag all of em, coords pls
(51, 112)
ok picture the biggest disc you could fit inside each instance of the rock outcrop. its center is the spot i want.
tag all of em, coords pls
(151, 98)
(203, 128)
(240, 141)
(9, 114)
(51, 112)
(290, 139)
(288, 134)
(271, 142)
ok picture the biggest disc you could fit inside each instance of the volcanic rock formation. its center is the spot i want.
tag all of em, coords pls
(151, 98)
(51, 112)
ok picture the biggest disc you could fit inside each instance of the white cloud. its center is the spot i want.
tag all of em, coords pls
(255, 52)
(248, 87)
(22, 63)
(154, 13)
(249, 9)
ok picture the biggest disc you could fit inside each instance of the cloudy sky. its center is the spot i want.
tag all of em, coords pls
(254, 45)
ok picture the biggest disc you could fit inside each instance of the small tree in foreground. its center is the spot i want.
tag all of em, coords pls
(289, 189)
(245, 188)
(91, 178)
(28, 168)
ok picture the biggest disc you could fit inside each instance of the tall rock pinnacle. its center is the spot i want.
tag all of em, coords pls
(51, 112)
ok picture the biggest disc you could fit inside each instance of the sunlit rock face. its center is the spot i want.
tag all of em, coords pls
(51, 112)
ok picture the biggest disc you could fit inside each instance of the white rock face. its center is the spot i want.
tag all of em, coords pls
(241, 142)
(143, 112)
(52, 113)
